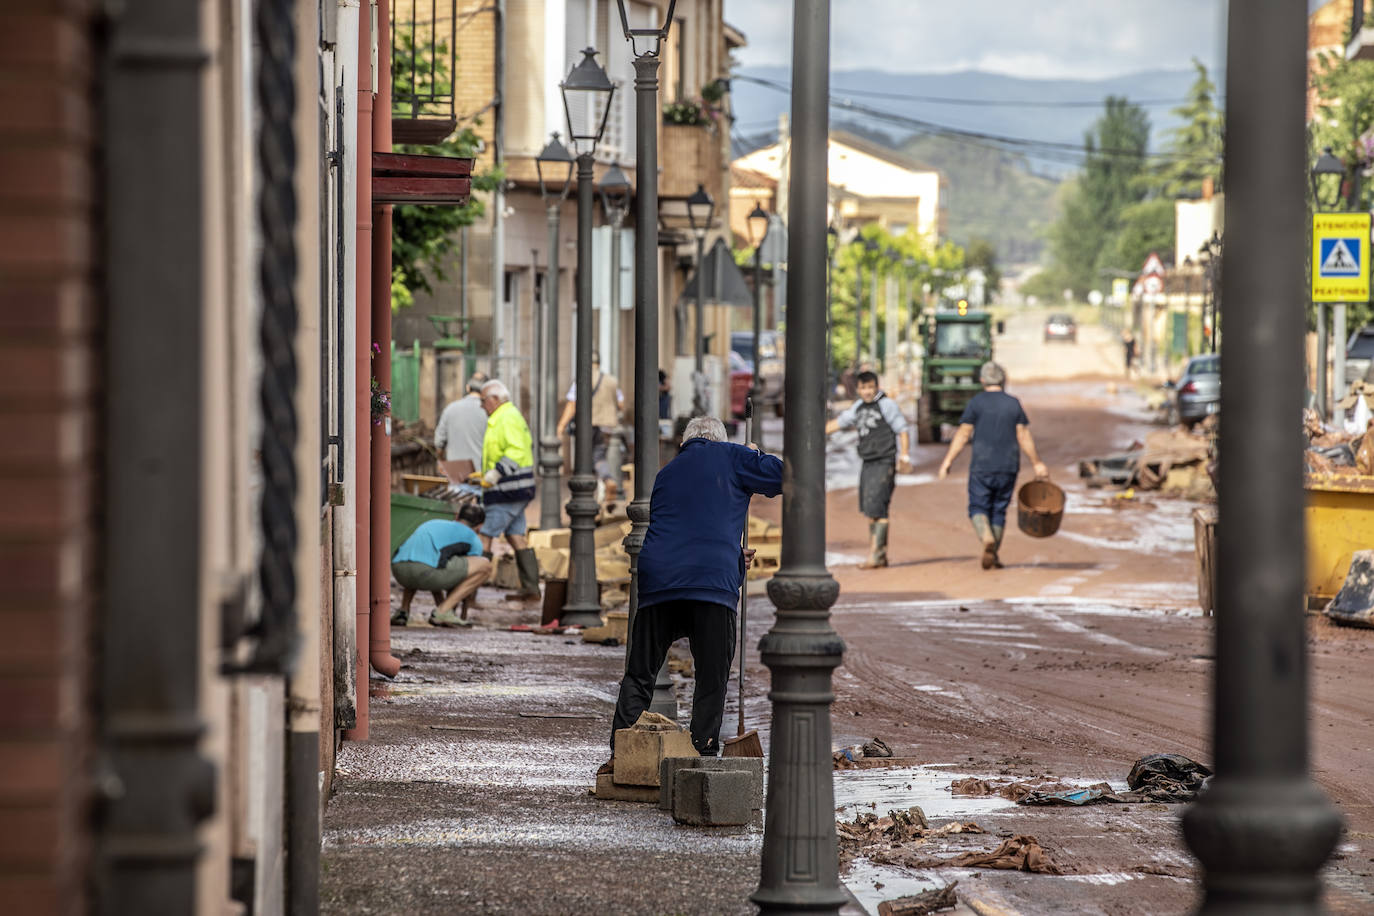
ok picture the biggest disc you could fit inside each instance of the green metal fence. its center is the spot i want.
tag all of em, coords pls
(405, 383)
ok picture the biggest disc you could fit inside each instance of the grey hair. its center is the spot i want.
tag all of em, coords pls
(708, 428)
(497, 389)
(992, 374)
(477, 381)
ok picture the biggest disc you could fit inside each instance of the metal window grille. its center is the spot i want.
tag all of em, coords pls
(424, 61)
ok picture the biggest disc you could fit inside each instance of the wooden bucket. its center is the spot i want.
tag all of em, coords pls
(1039, 508)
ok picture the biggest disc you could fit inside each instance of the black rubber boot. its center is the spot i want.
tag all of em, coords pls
(880, 543)
(528, 567)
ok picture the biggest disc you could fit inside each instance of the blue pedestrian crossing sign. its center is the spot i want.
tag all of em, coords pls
(1340, 257)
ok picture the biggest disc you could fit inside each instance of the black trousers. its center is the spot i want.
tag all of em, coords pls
(710, 628)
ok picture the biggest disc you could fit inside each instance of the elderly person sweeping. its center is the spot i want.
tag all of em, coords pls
(690, 571)
(997, 424)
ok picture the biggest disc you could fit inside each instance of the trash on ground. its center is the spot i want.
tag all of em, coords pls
(1166, 778)
(1020, 853)
(1173, 461)
(1014, 790)
(931, 901)
(847, 758)
(868, 834)
(1100, 792)
(1354, 603)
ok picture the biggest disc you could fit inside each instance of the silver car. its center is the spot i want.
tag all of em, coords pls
(1359, 358)
(1199, 389)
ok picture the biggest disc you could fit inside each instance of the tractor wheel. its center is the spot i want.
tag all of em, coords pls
(927, 430)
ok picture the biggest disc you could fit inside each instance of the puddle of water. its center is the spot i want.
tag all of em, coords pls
(896, 882)
(888, 788)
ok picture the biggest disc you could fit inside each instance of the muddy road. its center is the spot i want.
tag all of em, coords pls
(1085, 653)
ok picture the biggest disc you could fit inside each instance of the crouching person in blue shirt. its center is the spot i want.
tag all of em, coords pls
(997, 424)
(690, 572)
(445, 559)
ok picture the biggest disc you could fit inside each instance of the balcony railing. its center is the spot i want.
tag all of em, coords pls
(423, 63)
(691, 155)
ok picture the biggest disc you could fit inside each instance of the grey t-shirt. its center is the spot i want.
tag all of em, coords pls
(460, 430)
(849, 417)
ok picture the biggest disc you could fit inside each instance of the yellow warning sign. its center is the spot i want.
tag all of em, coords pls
(1340, 257)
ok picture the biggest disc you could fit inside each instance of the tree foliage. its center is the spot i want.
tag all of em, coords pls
(939, 265)
(423, 236)
(1196, 145)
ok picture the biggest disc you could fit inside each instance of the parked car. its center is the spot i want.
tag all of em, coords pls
(1061, 327)
(1359, 358)
(741, 380)
(769, 366)
(1199, 389)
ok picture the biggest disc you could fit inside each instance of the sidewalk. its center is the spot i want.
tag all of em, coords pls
(472, 794)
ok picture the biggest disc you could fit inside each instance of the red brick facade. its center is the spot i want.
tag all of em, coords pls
(50, 365)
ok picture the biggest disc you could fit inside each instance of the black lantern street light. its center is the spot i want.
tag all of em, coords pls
(646, 43)
(758, 232)
(615, 203)
(1326, 167)
(800, 870)
(554, 166)
(587, 94)
(1263, 828)
(700, 210)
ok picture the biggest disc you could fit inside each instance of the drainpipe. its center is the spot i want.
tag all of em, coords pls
(379, 509)
(362, 313)
(501, 320)
(345, 516)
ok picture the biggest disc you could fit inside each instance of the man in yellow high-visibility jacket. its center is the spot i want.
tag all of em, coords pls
(508, 481)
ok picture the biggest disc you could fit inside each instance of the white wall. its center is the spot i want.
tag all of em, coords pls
(1194, 223)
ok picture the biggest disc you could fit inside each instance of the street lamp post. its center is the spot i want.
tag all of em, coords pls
(1263, 828)
(615, 203)
(800, 869)
(1324, 170)
(700, 209)
(587, 94)
(758, 233)
(554, 166)
(646, 62)
(832, 244)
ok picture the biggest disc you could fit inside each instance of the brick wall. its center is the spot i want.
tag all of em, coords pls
(49, 463)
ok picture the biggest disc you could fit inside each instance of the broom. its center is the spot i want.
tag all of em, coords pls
(745, 743)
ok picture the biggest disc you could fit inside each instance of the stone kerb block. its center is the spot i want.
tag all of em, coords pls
(670, 766)
(638, 750)
(712, 798)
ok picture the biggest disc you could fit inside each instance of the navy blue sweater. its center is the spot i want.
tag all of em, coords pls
(696, 519)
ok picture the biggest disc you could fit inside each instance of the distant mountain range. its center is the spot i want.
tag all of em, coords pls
(1004, 162)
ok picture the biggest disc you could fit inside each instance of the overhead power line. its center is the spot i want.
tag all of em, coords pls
(1042, 149)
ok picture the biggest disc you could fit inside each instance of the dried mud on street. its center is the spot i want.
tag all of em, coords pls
(1087, 652)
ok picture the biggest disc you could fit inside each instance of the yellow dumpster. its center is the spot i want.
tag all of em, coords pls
(1340, 521)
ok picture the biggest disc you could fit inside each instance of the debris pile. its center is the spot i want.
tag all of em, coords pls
(1174, 461)
(931, 901)
(1157, 778)
(1340, 451)
(847, 758)
(871, 836)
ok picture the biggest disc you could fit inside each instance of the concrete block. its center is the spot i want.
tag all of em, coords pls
(612, 534)
(553, 561)
(670, 766)
(550, 538)
(638, 751)
(607, 789)
(614, 626)
(712, 798)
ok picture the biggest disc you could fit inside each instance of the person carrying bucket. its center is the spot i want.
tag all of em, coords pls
(1000, 431)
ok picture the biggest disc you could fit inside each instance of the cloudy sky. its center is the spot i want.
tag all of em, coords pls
(1048, 38)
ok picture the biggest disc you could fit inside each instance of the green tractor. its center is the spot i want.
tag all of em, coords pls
(957, 342)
